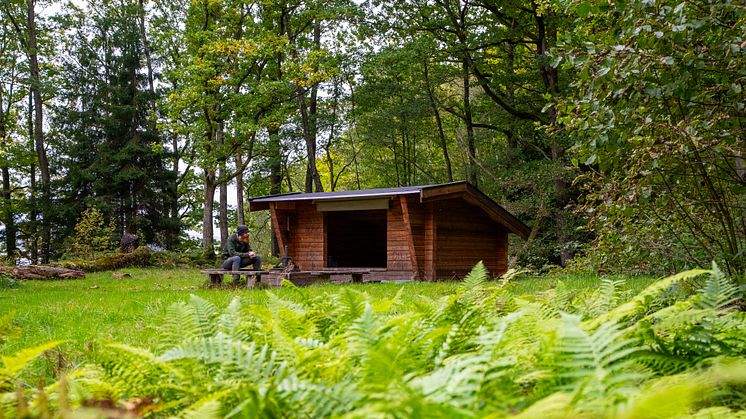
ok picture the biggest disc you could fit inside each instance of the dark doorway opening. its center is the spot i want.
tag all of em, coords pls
(356, 239)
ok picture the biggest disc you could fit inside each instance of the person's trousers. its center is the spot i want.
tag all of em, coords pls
(235, 263)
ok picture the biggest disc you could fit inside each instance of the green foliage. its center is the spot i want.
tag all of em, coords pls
(659, 131)
(344, 353)
(7, 281)
(93, 235)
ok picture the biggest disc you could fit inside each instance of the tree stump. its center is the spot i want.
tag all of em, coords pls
(129, 243)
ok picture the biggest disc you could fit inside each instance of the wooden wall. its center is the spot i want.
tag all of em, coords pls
(464, 235)
(305, 235)
(427, 241)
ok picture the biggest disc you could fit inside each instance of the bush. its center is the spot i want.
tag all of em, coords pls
(8, 282)
(93, 235)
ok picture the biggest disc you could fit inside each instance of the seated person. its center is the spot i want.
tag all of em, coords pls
(237, 252)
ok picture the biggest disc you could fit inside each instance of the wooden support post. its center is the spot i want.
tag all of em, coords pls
(410, 235)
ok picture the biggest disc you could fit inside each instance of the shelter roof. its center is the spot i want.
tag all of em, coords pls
(426, 193)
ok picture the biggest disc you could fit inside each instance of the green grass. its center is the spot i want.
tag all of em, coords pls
(99, 308)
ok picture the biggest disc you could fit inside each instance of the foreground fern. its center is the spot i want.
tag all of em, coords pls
(481, 351)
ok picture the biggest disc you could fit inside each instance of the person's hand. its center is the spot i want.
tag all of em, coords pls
(252, 255)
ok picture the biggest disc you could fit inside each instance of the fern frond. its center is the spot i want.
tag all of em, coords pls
(137, 371)
(641, 303)
(604, 298)
(306, 399)
(718, 291)
(202, 410)
(178, 323)
(457, 382)
(556, 406)
(206, 315)
(14, 364)
(473, 286)
(362, 333)
(234, 358)
(600, 363)
(230, 321)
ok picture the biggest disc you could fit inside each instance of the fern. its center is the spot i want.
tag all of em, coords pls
(605, 298)
(598, 364)
(717, 292)
(234, 359)
(642, 302)
(230, 322)
(13, 365)
(473, 285)
(205, 314)
(202, 410)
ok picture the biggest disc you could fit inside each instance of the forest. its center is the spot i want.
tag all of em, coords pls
(610, 135)
(614, 130)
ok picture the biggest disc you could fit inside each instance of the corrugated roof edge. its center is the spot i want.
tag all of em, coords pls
(298, 196)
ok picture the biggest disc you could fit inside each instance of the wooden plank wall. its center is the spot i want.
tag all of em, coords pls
(466, 235)
(307, 241)
(398, 258)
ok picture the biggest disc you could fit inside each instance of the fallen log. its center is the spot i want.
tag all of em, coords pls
(40, 272)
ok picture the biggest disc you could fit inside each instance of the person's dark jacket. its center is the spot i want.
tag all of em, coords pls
(235, 247)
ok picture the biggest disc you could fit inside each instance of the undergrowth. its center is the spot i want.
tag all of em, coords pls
(671, 350)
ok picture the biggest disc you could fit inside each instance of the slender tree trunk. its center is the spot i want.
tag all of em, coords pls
(275, 174)
(240, 210)
(546, 34)
(207, 229)
(10, 226)
(39, 129)
(223, 210)
(33, 236)
(438, 120)
(223, 195)
(471, 147)
(7, 205)
(309, 121)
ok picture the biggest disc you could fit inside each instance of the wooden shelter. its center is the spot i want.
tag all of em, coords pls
(414, 232)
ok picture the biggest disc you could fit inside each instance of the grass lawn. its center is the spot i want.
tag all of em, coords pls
(128, 310)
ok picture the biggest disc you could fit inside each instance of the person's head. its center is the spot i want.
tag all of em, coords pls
(243, 233)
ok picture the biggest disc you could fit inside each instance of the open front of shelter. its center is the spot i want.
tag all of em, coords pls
(417, 232)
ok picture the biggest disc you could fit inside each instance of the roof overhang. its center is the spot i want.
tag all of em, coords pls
(372, 198)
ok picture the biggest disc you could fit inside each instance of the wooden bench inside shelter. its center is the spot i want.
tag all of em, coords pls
(252, 276)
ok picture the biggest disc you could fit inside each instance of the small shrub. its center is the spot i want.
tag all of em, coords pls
(92, 234)
(7, 282)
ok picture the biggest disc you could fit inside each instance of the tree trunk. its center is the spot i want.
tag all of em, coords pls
(309, 121)
(32, 237)
(546, 33)
(7, 213)
(240, 209)
(41, 152)
(10, 226)
(471, 149)
(438, 120)
(207, 231)
(40, 272)
(223, 195)
(223, 211)
(275, 174)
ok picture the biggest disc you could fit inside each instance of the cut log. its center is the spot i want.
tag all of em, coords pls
(40, 272)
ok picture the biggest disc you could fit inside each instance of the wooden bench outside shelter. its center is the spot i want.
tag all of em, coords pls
(252, 276)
